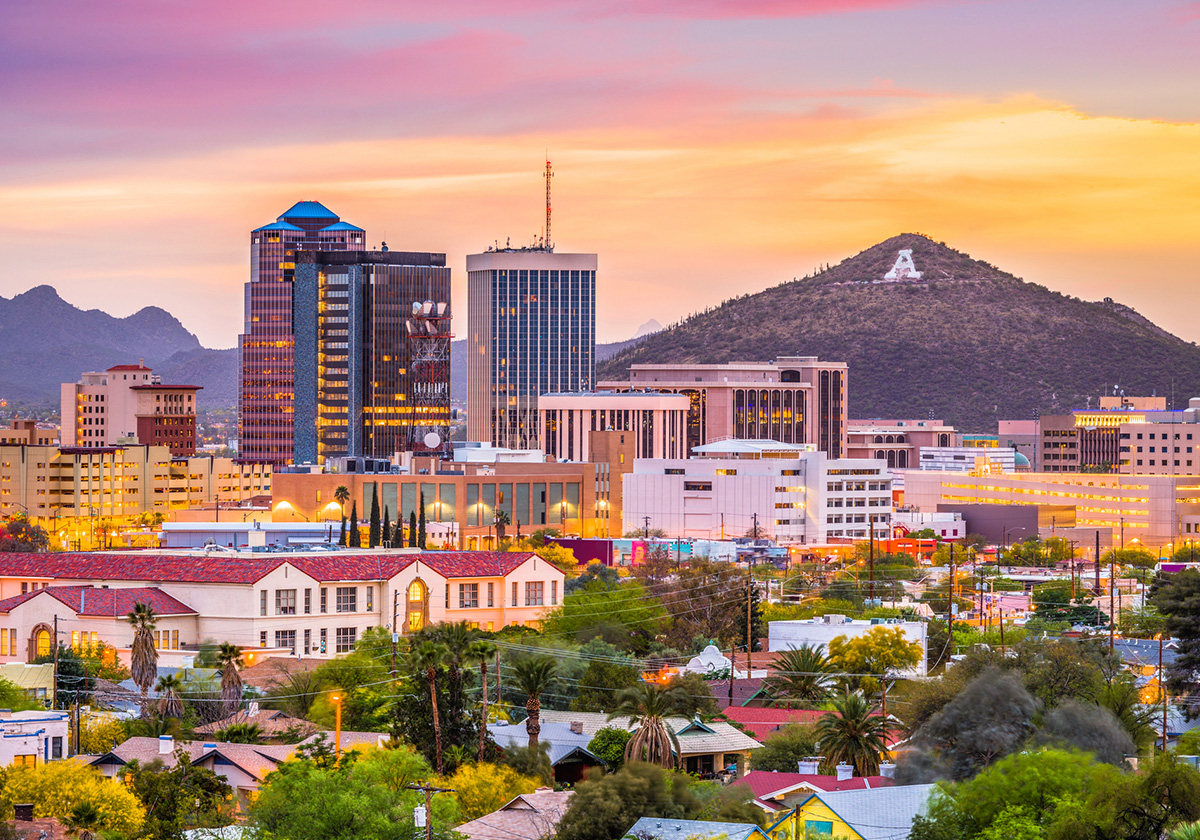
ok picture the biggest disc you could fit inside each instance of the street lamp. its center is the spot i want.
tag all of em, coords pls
(337, 737)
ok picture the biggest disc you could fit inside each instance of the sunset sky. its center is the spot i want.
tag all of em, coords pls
(703, 149)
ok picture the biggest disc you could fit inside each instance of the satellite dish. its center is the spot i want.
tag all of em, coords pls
(433, 440)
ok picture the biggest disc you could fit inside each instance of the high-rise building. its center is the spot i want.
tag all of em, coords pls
(531, 316)
(128, 403)
(345, 350)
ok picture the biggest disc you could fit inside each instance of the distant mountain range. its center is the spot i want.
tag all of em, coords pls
(46, 341)
(966, 341)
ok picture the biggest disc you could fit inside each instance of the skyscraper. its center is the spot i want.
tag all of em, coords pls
(335, 358)
(531, 315)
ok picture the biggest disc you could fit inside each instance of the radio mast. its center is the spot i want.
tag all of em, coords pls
(549, 243)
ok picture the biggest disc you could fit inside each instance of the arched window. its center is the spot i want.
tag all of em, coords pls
(417, 607)
(879, 438)
(900, 439)
(878, 453)
(42, 642)
(902, 459)
(891, 458)
(889, 439)
(943, 440)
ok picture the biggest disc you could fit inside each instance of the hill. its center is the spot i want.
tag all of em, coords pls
(45, 341)
(967, 341)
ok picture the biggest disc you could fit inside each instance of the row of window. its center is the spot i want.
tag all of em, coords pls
(345, 600)
(344, 639)
(535, 594)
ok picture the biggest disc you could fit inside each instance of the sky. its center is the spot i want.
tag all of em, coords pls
(704, 149)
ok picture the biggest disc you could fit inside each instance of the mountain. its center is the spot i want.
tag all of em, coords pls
(649, 328)
(45, 341)
(967, 341)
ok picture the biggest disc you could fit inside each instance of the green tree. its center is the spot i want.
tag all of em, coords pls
(18, 534)
(800, 678)
(85, 821)
(609, 744)
(412, 529)
(599, 684)
(426, 657)
(240, 733)
(781, 750)
(648, 706)
(482, 651)
(421, 524)
(606, 577)
(1177, 597)
(534, 676)
(354, 539)
(342, 531)
(342, 495)
(693, 695)
(229, 656)
(385, 531)
(177, 798)
(170, 704)
(853, 734)
(56, 788)
(480, 789)
(143, 656)
(878, 652)
(626, 616)
(373, 520)
(1052, 602)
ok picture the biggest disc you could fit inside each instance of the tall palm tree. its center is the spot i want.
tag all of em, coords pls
(801, 676)
(426, 658)
(341, 495)
(534, 676)
(481, 651)
(143, 658)
(649, 705)
(229, 657)
(170, 704)
(852, 734)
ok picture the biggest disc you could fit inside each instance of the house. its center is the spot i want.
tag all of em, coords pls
(776, 792)
(743, 693)
(885, 813)
(272, 723)
(530, 816)
(763, 721)
(704, 748)
(30, 738)
(666, 828)
(291, 603)
(569, 756)
(36, 681)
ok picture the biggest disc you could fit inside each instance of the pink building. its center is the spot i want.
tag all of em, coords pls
(899, 442)
(128, 403)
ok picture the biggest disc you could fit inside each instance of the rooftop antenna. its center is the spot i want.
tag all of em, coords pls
(549, 175)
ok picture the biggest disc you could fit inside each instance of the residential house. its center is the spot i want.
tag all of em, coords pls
(34, 737)
(666, 828)
(706, 749)
(36, 681)
(776, 792)
(530, 816)
(272, 723)
(884, 813)
(569, 756)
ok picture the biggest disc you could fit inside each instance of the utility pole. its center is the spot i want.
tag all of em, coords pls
(499, 682)
(871, 554)
(395, 627)
(54, 687)
(950, 605)
(1112, 615)
(749, 627)
(1162, 690)
(1098, 590)
(425, 819)
(646, 532)
(883, 707)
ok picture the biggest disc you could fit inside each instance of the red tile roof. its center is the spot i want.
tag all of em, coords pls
(89, 600)
(761, 722)
(219, 568)
(129, 367)
(764, 783)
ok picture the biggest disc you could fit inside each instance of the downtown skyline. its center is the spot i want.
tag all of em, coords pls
(703, 150)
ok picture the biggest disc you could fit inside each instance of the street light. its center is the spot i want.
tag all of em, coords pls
(337, 737)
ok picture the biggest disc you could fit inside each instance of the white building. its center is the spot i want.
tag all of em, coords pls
(656, 420)
(949, 525)
(789, 492)
(33, 737)
(789, 635)
(992, 459)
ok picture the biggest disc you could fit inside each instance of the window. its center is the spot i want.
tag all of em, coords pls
(468, 596)
(553, 592)
(818, 826)
(324, 600)
(262, 638)
(307, 641)
(534, 593)
(307, 601)
(4, 642)
(262, 602)
(286, 639)
(323, 636)
(347, 599)
(174, 640)
(344, 638)
(370, 598)
(416, 592)
(56, 748)
(25, 760)
(285, 602)
(491, 595)
(514, 600)
(24, 587)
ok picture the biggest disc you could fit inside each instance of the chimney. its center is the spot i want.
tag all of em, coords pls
(844, 771)
(252, 708)
(887, 769)
(166, 744)
(577, 727)
(809, 766)
(23, 813)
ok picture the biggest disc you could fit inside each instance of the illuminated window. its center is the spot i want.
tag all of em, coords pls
(42, 643)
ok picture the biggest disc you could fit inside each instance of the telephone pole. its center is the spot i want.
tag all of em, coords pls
(749, 626)
(54, 687)
(425, 819)
(950, 605)
(1112, 615)
(871, 550)
(646, 531)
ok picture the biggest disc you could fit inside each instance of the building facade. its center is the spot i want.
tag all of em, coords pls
(899, 442)
(27, 432)
(1129, 441)
(793, 399)
(760, 488)
(655, 422)
(128, 403)
(531, 320)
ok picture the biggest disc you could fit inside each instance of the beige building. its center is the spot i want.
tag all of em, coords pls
(792, 399)
(27, 432)
(128, 403)
(1130, 441)
(655, 422)
(899, 442)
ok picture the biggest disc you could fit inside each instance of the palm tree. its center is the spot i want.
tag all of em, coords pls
(534, 676)
(800, 676)
(427, 657)
(170, 704)
(852, 734)
(482, 650)
(1186, 831)
(502, 521)
(229, 657)
(341, 495)
(649, 706)
(143, 658)
(84, 821)
(240, 733)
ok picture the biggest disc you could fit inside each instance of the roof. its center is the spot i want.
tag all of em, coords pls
(343, 226)
(762, 722)
(563, 742)
(278, 226)
(274, 670)
(743, 446)
(256, 760)
(44, 828)
(743, 691)
(880, 813)
(116, 603)
(719, 737)
(530, 816)
(1144, 652)
(158, 386)
(768, 784)
(271, 722)
(673, 829)
(350, 740)
(309, 210)
(128, 367)
(225, 568)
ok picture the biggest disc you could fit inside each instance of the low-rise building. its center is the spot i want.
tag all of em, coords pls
(883, 813)
(899, 442)
(27, 432)
(530, 816)
(655, 421)
(29, 738)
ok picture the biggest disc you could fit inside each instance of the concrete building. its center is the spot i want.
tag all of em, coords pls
(312, 604)
(1127, 440)
(655, 422)
(27, 432)
(127, 404)
(969, 459)
(792, 399)
(788, 635)
(899, 442)
(1021, 435)
(31, 738)
(788, 492)
(531, 323)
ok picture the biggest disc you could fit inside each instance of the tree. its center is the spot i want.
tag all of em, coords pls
(18, 534)
(606, 577)
(693, 695)
(56, 788)
(878, 651)
(84, 821)
(648, 706)
(625, 615)
(609, 744)
(99, 735)
(482, 651)
(782, 750)
(342, 495)
(355, 537)
(421, 524)
(1088, 728)
(373, 518)
(531, 761)
(558, 556)
(342, 531)
(1052, 603)
(229, 656)
(800, 678)
(501, 521)
(852, 734)
(170, 705)
(143, 656)
(1177, 597)
(534, 676)
(385, 532)
(600, 682)
(178, 798)
(707, 599)
(412, 529)
(483, 788)
(427, 656)
(240, 733)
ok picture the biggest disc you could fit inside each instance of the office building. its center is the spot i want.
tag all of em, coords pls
(655, 422)
(899, 442)
(128, 404)
(532, 330)
(1130, 441)
(335, 358)
(28, 432)
(733, 488)
(792, 399)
